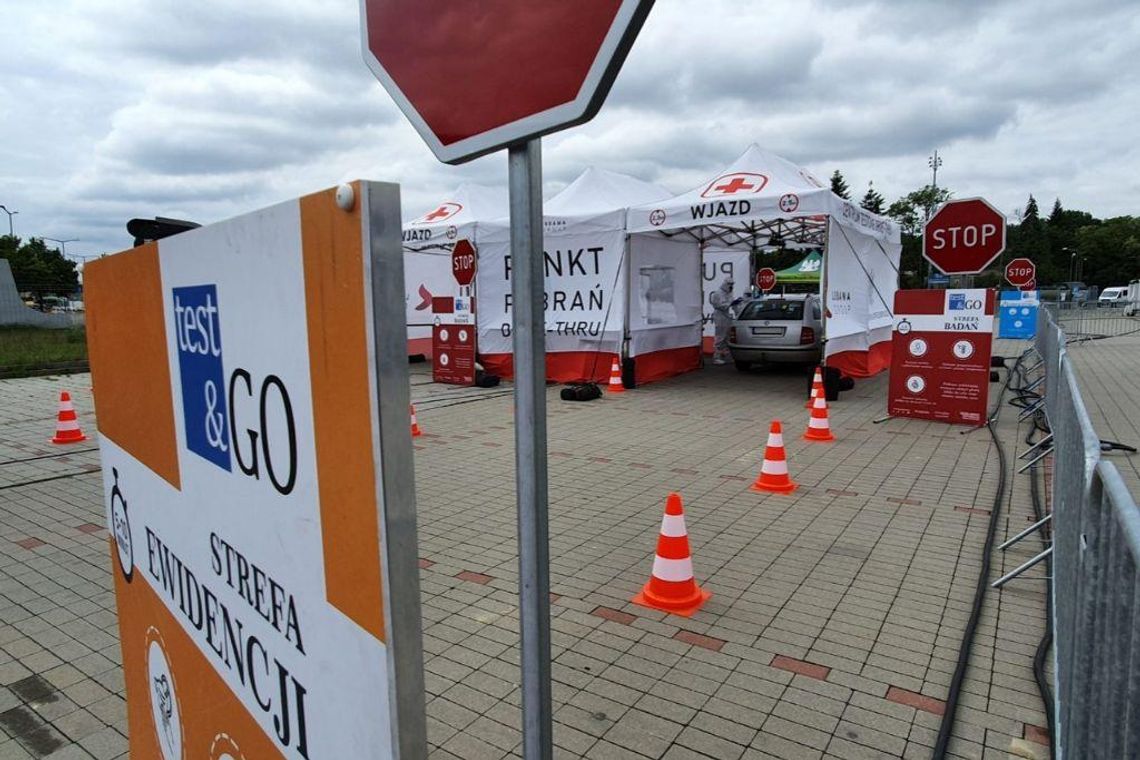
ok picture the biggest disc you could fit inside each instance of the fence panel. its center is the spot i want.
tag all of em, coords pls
(1096, 585)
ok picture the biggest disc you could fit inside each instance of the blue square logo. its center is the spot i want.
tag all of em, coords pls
(957, 301)
(198, 333)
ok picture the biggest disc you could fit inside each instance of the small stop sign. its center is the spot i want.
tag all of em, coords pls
(766, 279)
(463, 262)
(1020, 272)
(964, 237)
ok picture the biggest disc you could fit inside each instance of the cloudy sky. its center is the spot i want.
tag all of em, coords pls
(111, 109)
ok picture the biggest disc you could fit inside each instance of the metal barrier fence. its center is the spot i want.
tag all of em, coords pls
(1087, 319)
(1096, 583)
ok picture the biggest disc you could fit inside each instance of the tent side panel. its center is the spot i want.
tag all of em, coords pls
(862, 277)
(585, 298)
(427, 274)
(665, 306)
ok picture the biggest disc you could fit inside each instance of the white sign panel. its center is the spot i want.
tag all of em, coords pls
(248, 485)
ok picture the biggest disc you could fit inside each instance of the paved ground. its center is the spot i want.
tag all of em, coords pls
(1106, 371)
(832, 630)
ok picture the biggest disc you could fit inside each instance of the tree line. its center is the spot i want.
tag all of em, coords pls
(1066, 245)
(38, 269)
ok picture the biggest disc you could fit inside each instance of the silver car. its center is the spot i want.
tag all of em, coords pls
(777, 329)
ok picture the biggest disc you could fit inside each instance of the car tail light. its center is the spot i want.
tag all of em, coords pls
(732, 335)
(807, 336)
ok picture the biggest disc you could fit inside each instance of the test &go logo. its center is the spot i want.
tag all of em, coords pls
(198, 333)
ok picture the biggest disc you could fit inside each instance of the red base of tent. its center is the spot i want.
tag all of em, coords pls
(586, 366)
(863, 363)
(708, 344)
(659, 365)
(419, 346)
(568, 367)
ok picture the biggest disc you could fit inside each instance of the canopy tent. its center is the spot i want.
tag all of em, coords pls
(760, 195)
(587, 274)
(427, 252)
(807, 271)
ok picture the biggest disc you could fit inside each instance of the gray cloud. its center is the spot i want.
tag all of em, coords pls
(118, 108)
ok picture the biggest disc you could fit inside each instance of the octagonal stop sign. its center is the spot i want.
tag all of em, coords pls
(463, 262)
(964, 236)
(766, 279)
(1020, 272)
(474, 77)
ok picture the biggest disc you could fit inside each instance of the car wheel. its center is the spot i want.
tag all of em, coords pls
(742, 365)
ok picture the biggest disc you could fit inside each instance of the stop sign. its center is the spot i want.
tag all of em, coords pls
(476, 77)
(1020, 272)
(964, 236)
(463, 262)
(766, 279)
(1031, 285)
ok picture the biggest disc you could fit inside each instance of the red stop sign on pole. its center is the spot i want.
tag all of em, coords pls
(1020, 272)
(476, 77)
(463, 261)
(766, 279)
(1031, 285)
(964, 236)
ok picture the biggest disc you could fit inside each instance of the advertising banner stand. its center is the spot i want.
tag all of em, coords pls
(940, 360)
(252, 395)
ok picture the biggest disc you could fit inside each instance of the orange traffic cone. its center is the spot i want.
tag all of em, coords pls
(774, 472)
(67, 424)
(671, 587)
(818, 428)
(615, 385)
(415, 425)
(816, 388)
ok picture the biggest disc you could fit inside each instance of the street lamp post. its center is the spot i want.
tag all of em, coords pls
(63, 243)
(10, 215)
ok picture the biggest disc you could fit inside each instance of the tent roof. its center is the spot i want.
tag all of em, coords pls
(755, 196)
(598, 191)
(467, 203)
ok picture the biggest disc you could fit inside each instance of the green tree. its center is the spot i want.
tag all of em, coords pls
(839, 185)
(37, 268)
(1055, 214)
(911, 212)
(873, 200)
(1031, 215)
(1110, 251)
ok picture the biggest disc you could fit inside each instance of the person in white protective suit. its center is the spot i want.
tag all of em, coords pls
(721, 300)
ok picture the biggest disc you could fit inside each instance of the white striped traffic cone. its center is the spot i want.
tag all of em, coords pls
(816, 388)
(67, 422)
(615, 385)
(818, 428)
(671, 587)
(415, 425)
(773, 476)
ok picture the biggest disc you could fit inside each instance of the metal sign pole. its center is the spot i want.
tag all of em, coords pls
(529, 331)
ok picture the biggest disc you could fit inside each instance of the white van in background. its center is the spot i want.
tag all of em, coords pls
(1113, 296)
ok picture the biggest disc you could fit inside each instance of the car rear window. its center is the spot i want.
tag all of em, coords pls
(774, 309)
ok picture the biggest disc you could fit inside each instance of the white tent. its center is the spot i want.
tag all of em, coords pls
(427, 252)
(587, 276)
(761, 194)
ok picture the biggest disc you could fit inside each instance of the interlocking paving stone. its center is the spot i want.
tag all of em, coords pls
(864, 575)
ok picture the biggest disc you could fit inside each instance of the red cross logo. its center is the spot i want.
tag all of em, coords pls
(733, 184)
(444, 211)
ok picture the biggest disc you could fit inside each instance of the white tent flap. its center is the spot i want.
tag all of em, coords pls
(665, 302)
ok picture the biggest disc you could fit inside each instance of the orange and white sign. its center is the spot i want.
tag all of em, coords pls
(259, 509)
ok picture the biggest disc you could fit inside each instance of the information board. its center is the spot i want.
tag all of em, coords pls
(940, 355)
(1017, 314)
(261, 507)
(453, 354)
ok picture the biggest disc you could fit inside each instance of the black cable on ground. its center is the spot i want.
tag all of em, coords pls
(947, 724)
(1046, 642)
